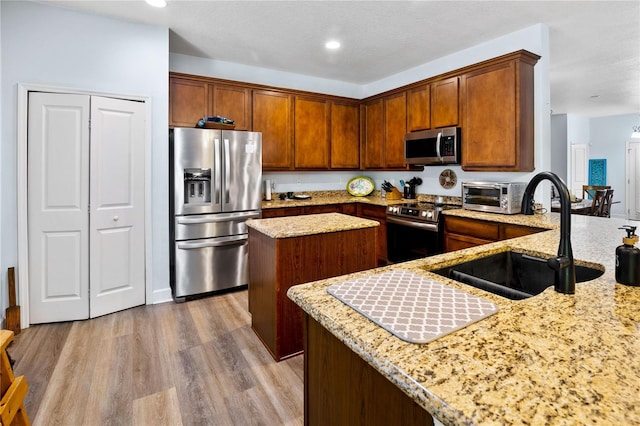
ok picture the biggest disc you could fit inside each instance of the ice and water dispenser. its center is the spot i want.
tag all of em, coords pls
(197, 186)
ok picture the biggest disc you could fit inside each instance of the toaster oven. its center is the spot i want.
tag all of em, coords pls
(493, 197)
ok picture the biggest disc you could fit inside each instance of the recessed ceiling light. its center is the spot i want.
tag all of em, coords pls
(332, 44)
(157, 3)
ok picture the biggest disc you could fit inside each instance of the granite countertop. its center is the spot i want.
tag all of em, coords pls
(311, 224)
(343, 197)
(549, 359)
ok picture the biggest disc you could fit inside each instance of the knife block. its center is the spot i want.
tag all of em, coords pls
(394, 194)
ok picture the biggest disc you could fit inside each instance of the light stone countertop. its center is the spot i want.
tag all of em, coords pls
(319, 198)
(311, 224)
(552, 359)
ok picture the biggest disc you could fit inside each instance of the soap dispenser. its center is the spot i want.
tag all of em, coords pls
(628, 258)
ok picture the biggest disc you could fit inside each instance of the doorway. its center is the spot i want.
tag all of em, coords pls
(85, 185)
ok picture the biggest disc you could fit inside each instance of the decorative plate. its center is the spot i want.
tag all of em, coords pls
(360, 186)
(448, 179)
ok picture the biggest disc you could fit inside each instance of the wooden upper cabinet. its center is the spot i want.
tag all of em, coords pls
(345, 136)
(395, 129)
(372, 117)
(188, 101)
(497, 108)
(233, 102)
(311, 118)
(444, 103)
(273, 116)
(419, 108)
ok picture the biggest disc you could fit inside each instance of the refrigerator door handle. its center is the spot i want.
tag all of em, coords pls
(216, 242)
(227, 171)
(216, 175)
(190, 220)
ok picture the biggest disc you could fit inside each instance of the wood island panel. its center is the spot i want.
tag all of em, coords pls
(340, 388)
(276, 264)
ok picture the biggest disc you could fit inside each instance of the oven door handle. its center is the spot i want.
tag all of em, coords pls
(413, 224)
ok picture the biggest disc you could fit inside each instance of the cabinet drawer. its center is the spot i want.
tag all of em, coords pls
(453, 242)
(513, 231)
(328, 208)
(472, 228)
(372, 211)
(282, 211)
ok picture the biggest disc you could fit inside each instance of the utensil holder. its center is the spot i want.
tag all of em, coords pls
(394, 194)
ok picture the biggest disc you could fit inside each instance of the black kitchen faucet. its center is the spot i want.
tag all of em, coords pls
(565, 275)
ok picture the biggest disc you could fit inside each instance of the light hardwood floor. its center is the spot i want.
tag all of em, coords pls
(194, 363)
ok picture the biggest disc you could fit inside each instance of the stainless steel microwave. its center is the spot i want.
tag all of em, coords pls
(495, 197)
(433, 147)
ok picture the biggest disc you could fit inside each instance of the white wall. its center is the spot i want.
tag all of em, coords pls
(609, 136)
(534, 39)
(577, 129)
(559, 150)
(606, 138)
(53, 46)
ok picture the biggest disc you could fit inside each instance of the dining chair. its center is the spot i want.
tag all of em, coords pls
(601, 205)
(589, 191)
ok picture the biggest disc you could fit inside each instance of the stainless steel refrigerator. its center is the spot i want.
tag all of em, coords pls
(214, 186)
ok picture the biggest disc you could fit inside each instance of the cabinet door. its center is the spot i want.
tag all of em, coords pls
(345, 136)
(379, 214)
(494, 95)
(444, 103)
(327, 208)
(311, 133)
(373, 134)
(188, 101)
(419, 108)
(233, 102)
(272, 115)
(282, 211)
(395, 122)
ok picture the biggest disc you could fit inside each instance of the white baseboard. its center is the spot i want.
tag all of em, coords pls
(161, 296)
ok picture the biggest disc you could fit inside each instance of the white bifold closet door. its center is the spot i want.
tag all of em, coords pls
(85, 206)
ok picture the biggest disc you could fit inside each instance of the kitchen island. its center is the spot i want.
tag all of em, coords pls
(291, 250)
(549, 359)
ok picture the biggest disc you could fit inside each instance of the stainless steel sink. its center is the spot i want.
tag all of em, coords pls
(511, 274)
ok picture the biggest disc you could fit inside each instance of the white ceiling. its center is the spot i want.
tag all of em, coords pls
(595, 45)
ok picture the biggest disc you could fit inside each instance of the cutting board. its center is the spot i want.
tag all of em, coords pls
(413, 307)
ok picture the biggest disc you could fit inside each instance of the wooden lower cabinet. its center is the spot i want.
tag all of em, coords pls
(340, 388)
(276, 264)
(297, 211)
(461, 233)
(379, 214)
(282, 211)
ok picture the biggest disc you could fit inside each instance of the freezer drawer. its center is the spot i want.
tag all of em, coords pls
(211, 264)
(212, 225)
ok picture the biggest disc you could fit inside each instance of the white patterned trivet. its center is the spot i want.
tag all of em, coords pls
(413, 307)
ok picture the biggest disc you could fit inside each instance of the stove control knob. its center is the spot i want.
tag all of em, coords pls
(429, 214)
(424, 214)
(391, 209)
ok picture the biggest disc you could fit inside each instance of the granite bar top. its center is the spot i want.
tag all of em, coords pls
(311, 224)
(545, 221)
(342, 197)
(552, 359)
